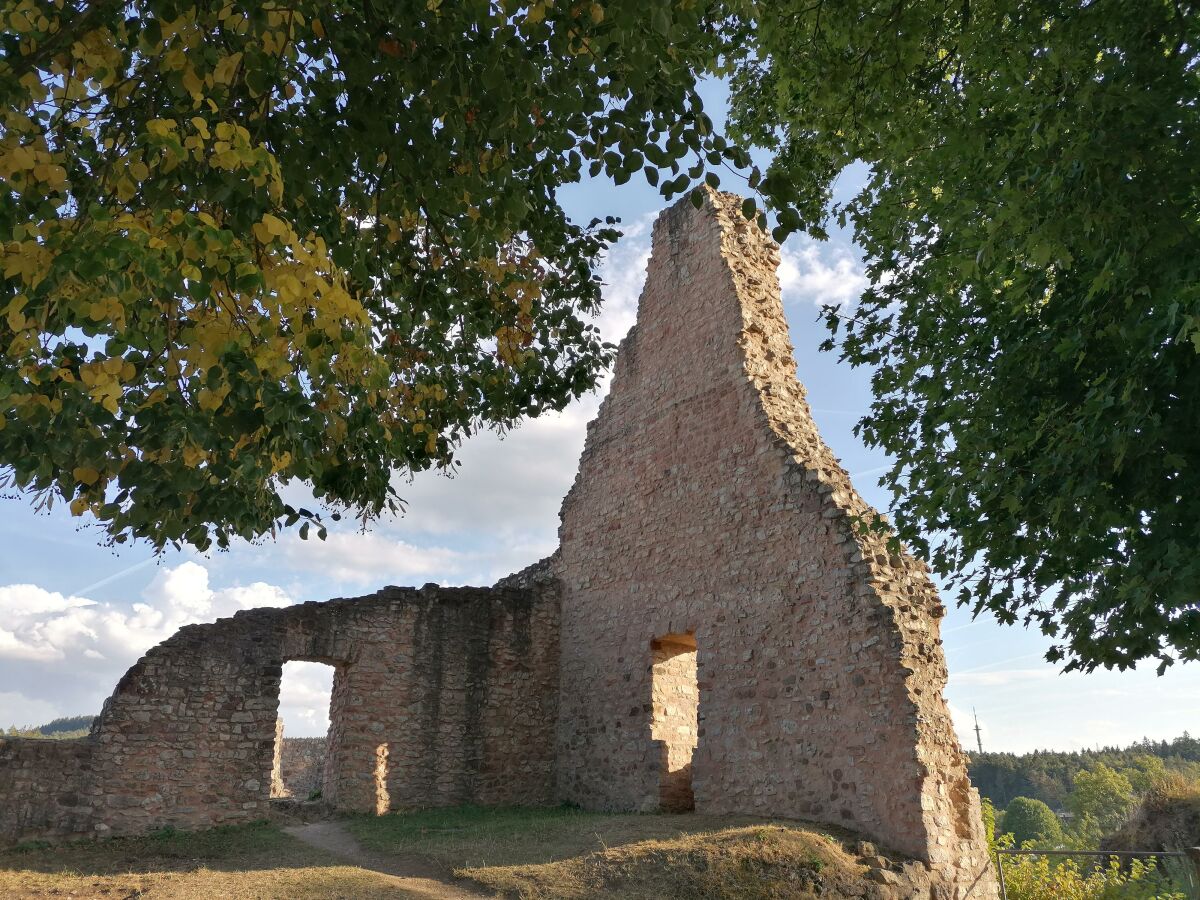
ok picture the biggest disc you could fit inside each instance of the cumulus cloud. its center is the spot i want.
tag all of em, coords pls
(820, 272)
(623, 272)
(304, 699)
(62, 655)
(371, 558)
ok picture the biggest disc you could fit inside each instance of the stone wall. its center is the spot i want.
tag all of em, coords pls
(441, 696)
(299, 769)
(43, 786)
(706, 503)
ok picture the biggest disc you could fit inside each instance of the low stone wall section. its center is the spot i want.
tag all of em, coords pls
(301, 768)
(441, 696)
(43, 787)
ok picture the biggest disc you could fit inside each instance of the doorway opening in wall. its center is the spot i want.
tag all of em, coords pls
(302, 731)
(676, 703)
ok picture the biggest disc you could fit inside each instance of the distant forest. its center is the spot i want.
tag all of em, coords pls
(58, 729)
(1047, 775)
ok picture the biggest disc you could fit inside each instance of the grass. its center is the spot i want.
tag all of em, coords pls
(568, 853)
(514, 852)
(251, 861)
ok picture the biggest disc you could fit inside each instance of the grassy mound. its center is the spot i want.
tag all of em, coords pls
(515, 852)
(757, 861)
(569, 853)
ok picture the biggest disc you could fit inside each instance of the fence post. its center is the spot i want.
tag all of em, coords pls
(1000, 872)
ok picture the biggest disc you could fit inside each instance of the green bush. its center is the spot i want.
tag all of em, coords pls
(1029, 820)
(1040, 878)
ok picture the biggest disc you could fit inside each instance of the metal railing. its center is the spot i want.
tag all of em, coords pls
(1192, 854)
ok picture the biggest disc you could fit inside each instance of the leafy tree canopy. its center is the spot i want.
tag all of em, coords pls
(246, 243)
(1104, 794)
(1032, 820)
(1050, 775)
(1031, 235)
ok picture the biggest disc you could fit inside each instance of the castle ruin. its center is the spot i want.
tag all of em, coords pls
(714, 632)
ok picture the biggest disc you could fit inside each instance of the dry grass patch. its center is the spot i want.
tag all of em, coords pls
(759, 861)
(568, 853)
(253, 861)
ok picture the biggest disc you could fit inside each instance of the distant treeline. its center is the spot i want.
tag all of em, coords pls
(65, 728)
(1047, 775)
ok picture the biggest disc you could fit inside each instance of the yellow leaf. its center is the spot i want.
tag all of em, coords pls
(317, 28)
(79, 506)
(86, 475)
(597, 13)
(192, 83)
(275, 225)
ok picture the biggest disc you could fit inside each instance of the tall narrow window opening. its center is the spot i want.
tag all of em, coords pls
(676, 701)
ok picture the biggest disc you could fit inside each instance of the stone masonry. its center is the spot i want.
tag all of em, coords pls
(298, 771)
(715, 632)
(707, 505)
(453, 689)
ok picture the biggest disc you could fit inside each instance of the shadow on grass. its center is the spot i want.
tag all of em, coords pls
(470, 836)
(458, 836)
(234, 848)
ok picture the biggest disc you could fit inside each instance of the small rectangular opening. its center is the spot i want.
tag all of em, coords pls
(676, 702)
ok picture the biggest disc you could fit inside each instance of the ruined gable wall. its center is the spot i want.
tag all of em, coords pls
(707, 502)
(441, 696)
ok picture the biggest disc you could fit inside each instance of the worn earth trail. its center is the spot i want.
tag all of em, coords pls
(413, 875)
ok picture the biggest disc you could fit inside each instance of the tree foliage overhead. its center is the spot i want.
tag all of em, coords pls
(246, 243)
(1033, 321)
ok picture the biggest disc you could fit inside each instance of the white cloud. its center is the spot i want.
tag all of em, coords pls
(17, 709)
(372, 558)
(304, 699)
(821, 273)
(623, 272)
(62, 655)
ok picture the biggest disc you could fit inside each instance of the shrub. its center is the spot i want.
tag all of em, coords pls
(1029, 820)
(1040, 878)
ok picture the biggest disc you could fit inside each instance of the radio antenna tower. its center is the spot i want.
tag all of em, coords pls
(978, 730)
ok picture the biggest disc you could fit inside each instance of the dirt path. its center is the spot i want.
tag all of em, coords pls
(413, 875)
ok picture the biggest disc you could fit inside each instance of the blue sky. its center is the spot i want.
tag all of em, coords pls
(74, 614)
